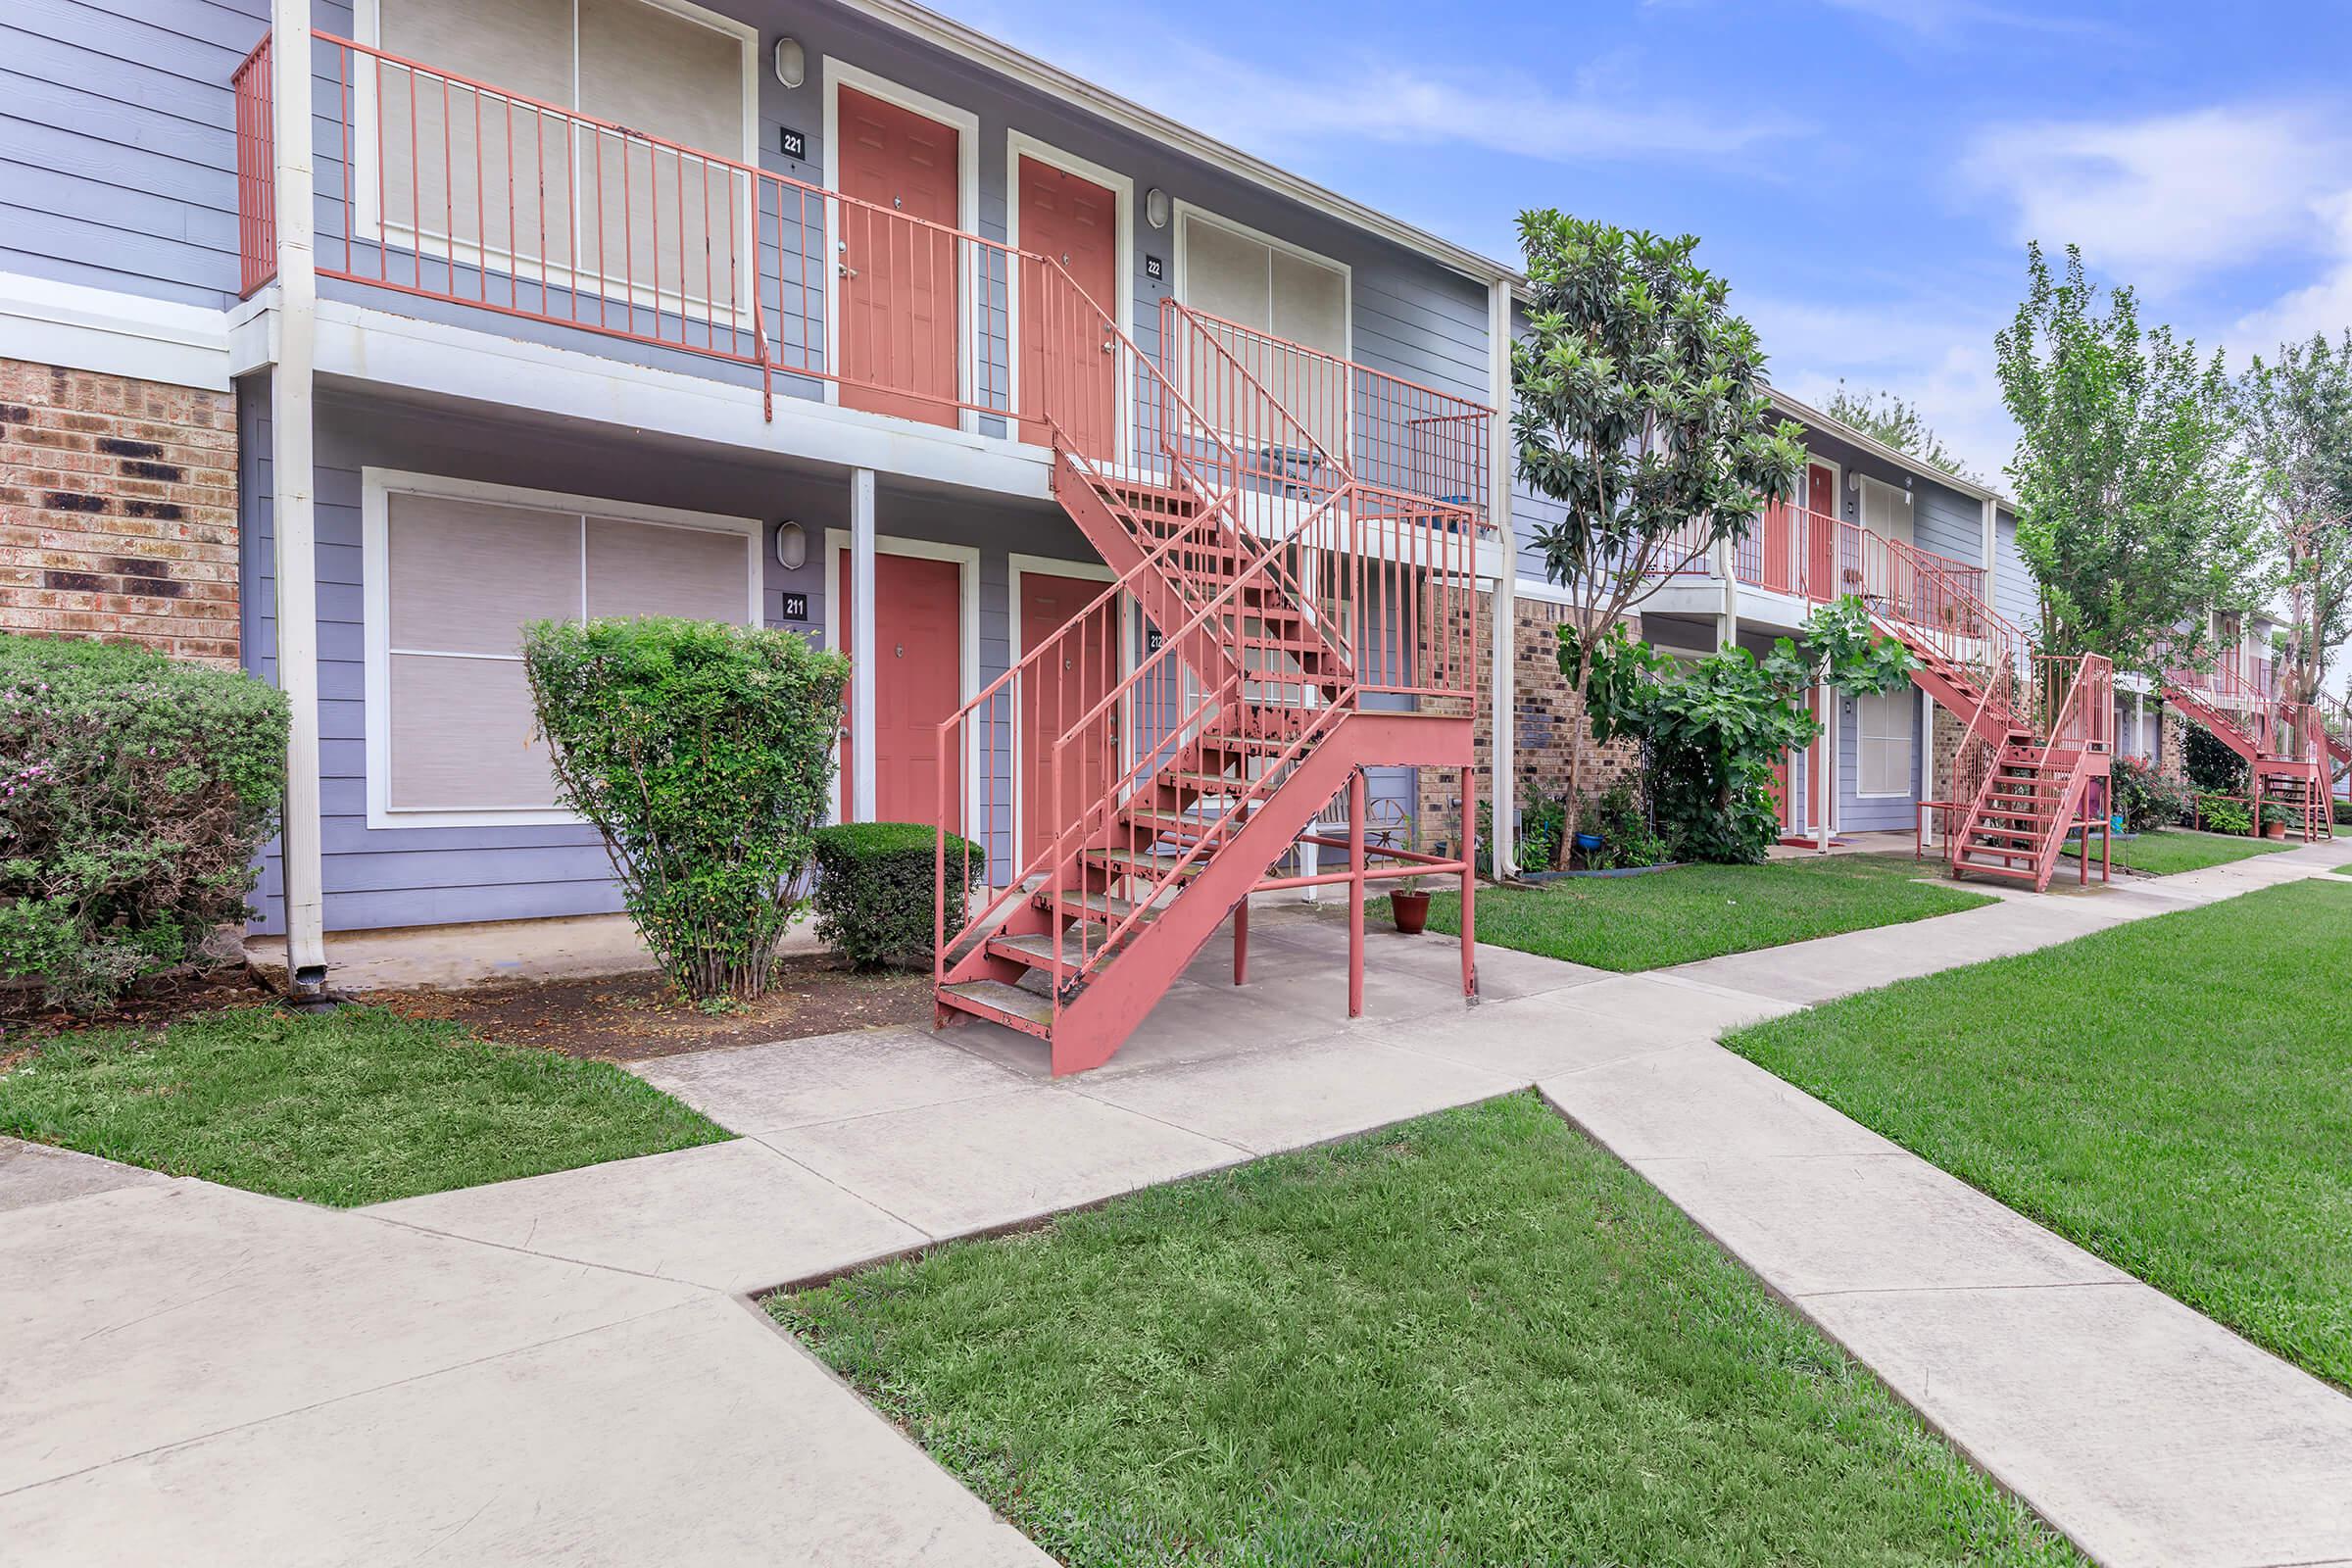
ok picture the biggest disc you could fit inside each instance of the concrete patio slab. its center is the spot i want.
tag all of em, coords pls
(1672, 1002)
(1301, 1097)
(151, 1315)
(693, 1435)
(33, 1174)
(735, 1216)
(1529, 1037)
(975, 1164)
(1701, 1101)
(1867, 1222)
(762, 1089)
(2149, 1433)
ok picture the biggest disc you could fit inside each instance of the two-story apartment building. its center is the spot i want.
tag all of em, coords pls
(341, 340)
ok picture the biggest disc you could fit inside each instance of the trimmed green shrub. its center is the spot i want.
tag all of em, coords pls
(135, 794)
(874, 888)
(2343, 812)
(2210, 763)
(704, 755)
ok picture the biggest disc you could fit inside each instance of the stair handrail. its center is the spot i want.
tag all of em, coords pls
(2088, 709)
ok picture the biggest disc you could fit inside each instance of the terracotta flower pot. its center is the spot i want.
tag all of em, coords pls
(2273, 830)
(1411, 912)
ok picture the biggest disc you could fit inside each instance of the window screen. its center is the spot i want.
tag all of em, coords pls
(463, 577)
(1883, 738)
(1887, 510)
(1270, 290)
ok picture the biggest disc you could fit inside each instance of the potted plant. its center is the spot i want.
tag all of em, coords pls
(2273, 821)
(1409, 904)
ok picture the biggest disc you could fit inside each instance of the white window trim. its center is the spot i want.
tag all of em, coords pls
(1905, 733)
(377, 487)
(967, 653)
(1090, 571)
(1186, 210)
(371, 226)
(840, 74)
(1019, 144)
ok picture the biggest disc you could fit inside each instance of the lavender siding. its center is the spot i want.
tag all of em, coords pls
(378, 878)
(2012, 582)
(1947, 522)
(118, 148)
(1873, 813)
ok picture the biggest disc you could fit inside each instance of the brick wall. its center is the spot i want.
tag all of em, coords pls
(119, 511)
(2172, 745)
(1549, 717)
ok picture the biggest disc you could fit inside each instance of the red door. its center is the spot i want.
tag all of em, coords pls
(1063, 691)
(898, 271)
(1820, 528)
(1065, 371)
(918, 655)
(1780, 562)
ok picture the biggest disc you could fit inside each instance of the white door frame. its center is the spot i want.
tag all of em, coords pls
(1019, 144)
(967, 614)
(840, 74)
(1090, 571)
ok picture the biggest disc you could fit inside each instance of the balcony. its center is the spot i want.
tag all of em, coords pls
(432, 186)
(1813, 558)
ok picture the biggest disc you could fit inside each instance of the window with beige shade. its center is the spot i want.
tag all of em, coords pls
(1268, 289)
(482, 176)
(1883, 742)
(454, 571)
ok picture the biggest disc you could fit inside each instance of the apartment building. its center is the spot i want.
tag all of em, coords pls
(1151, 488)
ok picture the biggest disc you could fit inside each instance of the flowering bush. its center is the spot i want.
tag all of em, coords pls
(135, 796)
(2147, 800)
(704, 753)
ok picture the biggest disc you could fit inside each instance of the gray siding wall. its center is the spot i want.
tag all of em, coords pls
(1947, 522)
(2012, 582)
(118, 142)
(1873, 813)
(377, 877)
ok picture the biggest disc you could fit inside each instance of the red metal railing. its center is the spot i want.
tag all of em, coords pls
(257, 169)
(1811, 554)
(1394, 433)
(2239, 695)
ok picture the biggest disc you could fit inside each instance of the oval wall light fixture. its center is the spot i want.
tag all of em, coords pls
(791, 546)
(792, 62)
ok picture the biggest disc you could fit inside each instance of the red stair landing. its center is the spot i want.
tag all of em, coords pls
(1310, 625)
(2285, 745)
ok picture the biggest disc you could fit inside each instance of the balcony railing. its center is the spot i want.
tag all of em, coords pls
(434, 184)
(1811, 554)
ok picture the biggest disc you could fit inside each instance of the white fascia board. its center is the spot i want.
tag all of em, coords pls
(112, 333)
(367, 347)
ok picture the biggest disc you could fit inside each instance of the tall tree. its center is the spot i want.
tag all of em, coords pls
(1899, 422)
(1638, 409)
(2298, 422)
(2135, 507)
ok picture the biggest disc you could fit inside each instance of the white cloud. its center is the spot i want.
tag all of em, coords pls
(1925, 352)
(2324, 306)
(1601, 114)
(2165, 199)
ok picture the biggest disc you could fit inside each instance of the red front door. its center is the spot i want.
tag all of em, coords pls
(1059, 693)
(897, 262)
(1820, 528)
(918, 655)
(1065, 371)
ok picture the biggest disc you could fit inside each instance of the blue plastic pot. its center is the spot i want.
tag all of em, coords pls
(1588, 841)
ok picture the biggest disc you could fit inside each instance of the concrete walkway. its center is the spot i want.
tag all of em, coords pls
(563, 1368)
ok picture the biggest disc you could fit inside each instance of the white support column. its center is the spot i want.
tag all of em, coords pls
(865, 672)
(1503, 747)
(292, 511)
(1992, 539)
(2140, 726)
(1926, 757)
(1727, 619)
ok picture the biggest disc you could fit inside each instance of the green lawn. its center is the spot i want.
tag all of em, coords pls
(1704, 912)
(1475, 1339)
(2178, 849)
(2174, 1094)
(356, 1106)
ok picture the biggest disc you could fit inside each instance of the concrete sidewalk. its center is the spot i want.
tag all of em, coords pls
(562, 1369)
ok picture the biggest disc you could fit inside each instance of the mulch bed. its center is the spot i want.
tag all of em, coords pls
(631, 1018)
(26, 1022)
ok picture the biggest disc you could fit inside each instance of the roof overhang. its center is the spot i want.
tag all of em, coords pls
(995, 54)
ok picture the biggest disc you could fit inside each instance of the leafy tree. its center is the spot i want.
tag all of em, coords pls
(1899, 422)
(2135, 508)
(1640, 408)
(1716, 729)
(2298, 422)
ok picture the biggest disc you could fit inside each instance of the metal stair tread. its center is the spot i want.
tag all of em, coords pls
(994, 998)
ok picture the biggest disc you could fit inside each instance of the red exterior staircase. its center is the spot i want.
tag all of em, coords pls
(2288, 751)
(2040, 732)
(1286, 590)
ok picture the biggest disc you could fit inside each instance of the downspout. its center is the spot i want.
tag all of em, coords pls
(1503, 745)
(1992, 513)
(865, 673)
(292, 503)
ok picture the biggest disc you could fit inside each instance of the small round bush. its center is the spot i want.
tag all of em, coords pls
(135, 794)
(874, 888)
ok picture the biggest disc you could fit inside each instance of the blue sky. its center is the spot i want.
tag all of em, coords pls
(1866, 172)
